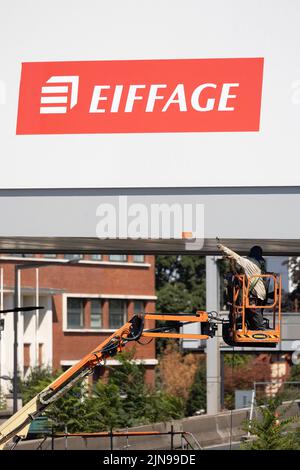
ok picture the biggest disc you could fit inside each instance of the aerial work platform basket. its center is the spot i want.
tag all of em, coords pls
(238, 331)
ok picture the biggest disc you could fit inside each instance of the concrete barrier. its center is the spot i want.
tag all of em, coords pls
(208, 430)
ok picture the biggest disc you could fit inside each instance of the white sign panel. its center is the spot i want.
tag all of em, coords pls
(149, 94)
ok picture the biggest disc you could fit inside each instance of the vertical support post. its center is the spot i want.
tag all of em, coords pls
(111, 436)
(1, 288)
(222, 381)
(213, 380)
(1, 308)
(252, 409)
(37, 294)
(17, 300)
(66, 437)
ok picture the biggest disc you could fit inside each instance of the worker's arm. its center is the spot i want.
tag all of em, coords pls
(229, 253)
(243, 262)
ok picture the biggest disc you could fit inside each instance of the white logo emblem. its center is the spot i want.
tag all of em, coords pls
(59, 95)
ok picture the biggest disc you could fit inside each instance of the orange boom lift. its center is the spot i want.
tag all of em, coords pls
(235, 332)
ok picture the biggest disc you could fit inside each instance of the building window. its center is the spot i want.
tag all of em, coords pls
(117, 309)
(75, 309)
(26, 358)
(96, 257)
(72, 256)
(138, 307)
(15, 255)
(96, 313)
(49, 255)
(121, 258)
(138, 258)
(41, 354)
(26, 355)
(84, 313)
(20, 255)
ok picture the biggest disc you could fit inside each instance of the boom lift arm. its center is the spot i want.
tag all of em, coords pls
(235, 333)
(18, 425)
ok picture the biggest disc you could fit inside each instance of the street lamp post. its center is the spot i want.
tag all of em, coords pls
(16, 318)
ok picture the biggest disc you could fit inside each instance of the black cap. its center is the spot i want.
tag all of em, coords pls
(256, 252)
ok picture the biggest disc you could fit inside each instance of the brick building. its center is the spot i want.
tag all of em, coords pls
(85, 298)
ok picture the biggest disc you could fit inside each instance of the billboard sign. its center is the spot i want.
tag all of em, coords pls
(125, 95)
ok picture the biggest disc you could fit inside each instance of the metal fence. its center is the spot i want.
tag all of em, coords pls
(187, 439)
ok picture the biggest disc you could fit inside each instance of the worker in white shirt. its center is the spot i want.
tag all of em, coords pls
(253, 264)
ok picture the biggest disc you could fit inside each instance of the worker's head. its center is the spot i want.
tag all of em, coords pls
(256, 252)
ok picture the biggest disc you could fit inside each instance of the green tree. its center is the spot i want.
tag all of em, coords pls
(271, 429)
(295, 373)
(135, 403)
(291, 301)
(186, 274)
(72, 410)
(107, 406)
(180, 285)
(129, 378)
(2, 402)
(237, 360)
(38, 379)
(165, 270)
(124, 401)
(162, 406)
(174, 298)
(290, 391)
(75, 410)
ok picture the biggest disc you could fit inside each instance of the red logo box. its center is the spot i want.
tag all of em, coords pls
(140, 96)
